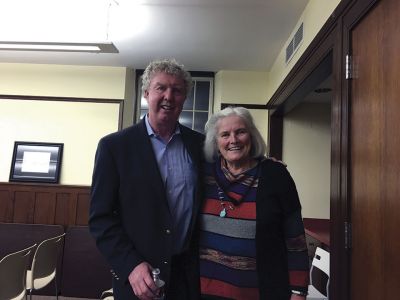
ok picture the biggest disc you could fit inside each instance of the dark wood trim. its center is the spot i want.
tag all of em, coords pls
(245, 105)
(339, 277)
(303, 72)
(275, 135)
(39, 203)
(72, 99)
(67, 99)
(334, 37)
(341, 154)
(312, 56)
(139, 72)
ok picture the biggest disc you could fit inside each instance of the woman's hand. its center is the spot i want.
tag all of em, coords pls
(276, 160)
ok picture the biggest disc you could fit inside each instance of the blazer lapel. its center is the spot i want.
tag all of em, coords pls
(195, 150)
(149, 162)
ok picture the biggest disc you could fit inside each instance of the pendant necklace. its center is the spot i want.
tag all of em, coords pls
(226, 204)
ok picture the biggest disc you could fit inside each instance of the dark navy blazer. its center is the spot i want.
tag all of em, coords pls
(129, 214)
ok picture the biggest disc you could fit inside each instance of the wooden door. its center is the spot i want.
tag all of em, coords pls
(375, 154)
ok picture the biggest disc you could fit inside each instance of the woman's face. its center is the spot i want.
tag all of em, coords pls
(233, 139)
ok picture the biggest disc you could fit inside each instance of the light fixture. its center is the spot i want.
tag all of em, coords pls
(58, 47)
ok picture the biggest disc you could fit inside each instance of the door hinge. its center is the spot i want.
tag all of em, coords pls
(347, 235)
(349, 67)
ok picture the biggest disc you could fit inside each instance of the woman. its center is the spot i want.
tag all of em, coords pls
(252, 242)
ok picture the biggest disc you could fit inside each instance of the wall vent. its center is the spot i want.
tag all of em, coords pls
(294, 44)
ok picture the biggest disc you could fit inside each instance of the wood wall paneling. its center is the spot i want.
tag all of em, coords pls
(24, 206)
(6, 206)
(66, 205)
(45, 207)
(35, 203)
(82, 211)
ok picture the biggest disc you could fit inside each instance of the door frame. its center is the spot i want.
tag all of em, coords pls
(333, 38)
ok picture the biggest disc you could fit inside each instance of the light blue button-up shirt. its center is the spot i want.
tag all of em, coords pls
(179, 177)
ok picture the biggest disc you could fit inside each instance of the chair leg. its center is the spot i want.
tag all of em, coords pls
(55, 284)
(30, 294)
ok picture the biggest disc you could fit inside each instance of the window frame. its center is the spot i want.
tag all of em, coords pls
(196, 77)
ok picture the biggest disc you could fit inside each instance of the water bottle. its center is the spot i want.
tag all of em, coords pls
(159, 283)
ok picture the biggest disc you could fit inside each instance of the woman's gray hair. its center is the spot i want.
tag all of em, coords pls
(168, 66)
(258, 146)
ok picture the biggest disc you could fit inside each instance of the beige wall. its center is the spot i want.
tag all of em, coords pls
(306, 144)
(62, 81)
(258, 87)
(78, 125)
(240, 87)
(314, 17)
(307, 153)
(119, 83)
(243, 87)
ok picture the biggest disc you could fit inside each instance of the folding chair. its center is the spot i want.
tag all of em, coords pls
(320, 261)
(44, 265)
(13, 273)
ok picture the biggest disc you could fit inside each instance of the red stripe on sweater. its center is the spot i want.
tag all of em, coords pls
(223, 289)
(246, 210)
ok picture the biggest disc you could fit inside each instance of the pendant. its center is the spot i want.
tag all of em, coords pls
(222, 213)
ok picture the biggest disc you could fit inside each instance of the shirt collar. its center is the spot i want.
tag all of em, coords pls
(150, 130)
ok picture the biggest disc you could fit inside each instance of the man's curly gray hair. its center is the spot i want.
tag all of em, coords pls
(168, 66)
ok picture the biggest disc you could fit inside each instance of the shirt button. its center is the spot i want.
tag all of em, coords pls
(168, 231)
(165, 263)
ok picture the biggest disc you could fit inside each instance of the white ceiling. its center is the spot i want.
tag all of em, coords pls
(205, 35)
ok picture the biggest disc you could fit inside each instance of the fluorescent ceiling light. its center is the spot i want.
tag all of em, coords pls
(59, 47)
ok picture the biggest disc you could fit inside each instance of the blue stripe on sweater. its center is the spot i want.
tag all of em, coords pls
(228, 245)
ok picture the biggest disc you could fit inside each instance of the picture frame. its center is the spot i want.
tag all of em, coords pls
(36, 162)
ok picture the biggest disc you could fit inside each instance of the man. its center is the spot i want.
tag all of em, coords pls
(146, 194)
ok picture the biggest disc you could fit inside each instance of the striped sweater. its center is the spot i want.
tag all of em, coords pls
(227, 244)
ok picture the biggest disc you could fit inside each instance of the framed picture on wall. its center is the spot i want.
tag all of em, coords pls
(36, 162)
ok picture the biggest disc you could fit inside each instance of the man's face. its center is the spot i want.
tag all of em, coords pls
(165, 96)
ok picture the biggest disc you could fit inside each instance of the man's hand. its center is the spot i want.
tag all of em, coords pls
(142, 282)
(297, 297)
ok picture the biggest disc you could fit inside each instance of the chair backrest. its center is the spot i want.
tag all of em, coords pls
(45, 260)
(107, 295)
(321, 260)
(13, 273)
